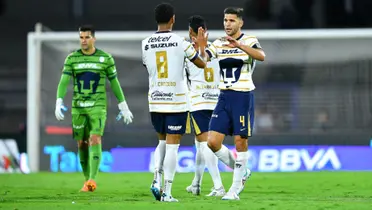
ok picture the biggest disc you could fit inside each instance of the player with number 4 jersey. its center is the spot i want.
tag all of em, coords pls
(234, 114)
(89, 68)
(163, 55)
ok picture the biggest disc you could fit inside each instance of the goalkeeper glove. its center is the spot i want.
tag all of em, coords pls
(59, 108)
(125, 113)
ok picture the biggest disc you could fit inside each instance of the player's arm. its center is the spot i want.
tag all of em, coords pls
(118, 91)
(144, 48)
(254, 49)
(62, 88)
(193, 55)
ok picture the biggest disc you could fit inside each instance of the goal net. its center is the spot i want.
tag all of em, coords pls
(311, 81)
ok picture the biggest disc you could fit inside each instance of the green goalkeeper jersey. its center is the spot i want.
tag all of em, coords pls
(89, 74)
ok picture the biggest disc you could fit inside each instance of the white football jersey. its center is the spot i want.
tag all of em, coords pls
(236, 66)
(203, 85)
(163, 54)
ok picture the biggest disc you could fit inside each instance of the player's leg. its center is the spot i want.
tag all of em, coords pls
(158, 122)
(175, 128)
(84, 157)
(219, 127)
(97, 125)
(79, 125)
(195, 186)
(242, 117)
(159, 155)
(200, 121)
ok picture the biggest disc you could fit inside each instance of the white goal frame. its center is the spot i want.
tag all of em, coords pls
(34, 60)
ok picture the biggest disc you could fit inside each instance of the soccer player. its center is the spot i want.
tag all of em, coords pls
(89, 67)
(203, 95)
(164, 54)
(234, 113)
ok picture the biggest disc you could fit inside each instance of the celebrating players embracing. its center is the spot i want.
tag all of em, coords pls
(234, 113)
(163, 54)
(89, 67)
(203, 94)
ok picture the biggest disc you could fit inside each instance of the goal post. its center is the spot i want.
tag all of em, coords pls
(281, 46)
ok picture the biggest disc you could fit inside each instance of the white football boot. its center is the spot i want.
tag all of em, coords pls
(194, 189)
(246, 176)
(217, 192)
(168, 198)
(231, 196)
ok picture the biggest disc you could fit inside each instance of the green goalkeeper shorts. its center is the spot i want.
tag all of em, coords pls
(85, 125)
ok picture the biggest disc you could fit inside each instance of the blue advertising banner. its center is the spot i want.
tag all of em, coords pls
(261, 159)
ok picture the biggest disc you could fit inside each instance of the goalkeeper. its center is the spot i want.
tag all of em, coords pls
(89, 67)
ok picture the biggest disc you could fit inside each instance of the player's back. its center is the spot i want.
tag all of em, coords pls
(203, 85)
(89, 73)
(164, 55)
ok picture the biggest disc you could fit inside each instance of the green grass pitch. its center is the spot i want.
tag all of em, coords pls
(264, 191)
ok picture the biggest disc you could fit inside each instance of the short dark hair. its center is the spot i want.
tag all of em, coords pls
(197, 21)
(234, 11)
(163, 13)
(85, 28)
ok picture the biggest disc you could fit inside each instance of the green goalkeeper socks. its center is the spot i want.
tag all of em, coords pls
(84, 161)
(95, 153)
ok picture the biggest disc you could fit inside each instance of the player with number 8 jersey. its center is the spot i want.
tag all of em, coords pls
(163, 55)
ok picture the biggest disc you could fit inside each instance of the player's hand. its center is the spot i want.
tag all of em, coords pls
(233, 43)
(59, 109)
(125, 113)
(202, 38)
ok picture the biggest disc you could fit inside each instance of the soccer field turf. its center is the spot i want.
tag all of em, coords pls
(312, 190)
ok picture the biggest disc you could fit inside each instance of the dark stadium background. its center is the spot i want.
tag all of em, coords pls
(276, 90)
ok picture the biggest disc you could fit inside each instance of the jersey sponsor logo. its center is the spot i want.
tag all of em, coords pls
(210, 96)
(163, 45)
(86, 103)
(172, 84)
(161, 96)
(233, 51)
(78, 126)
(87, 66)
(199, 87)
(174, 127)
(159, 39)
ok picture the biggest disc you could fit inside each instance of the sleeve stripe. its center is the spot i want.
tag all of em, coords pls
(193, 58)
(111, 74)
(188, 47)
(112, 77)
(192, 55)
(68, 73)
(110, 66)
(251, 45)
(209, 53)
(213, 52)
